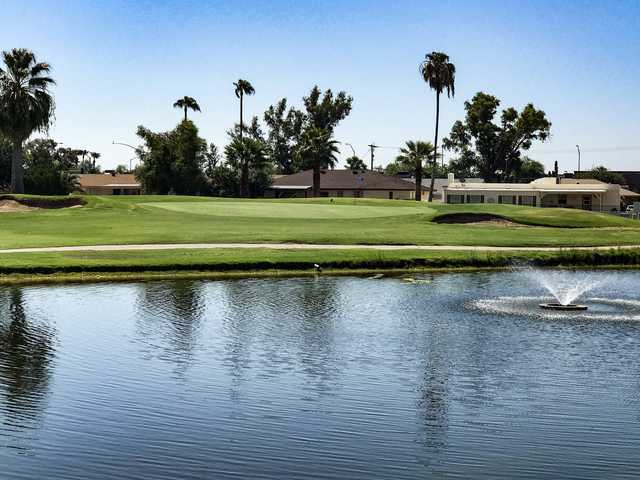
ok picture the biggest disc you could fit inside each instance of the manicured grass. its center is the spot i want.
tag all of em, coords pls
(300, 261)
(153, 219)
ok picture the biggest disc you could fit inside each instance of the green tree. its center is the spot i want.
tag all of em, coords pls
(440, 75)
(529, 170)
(26, 105)
(356, 163)
(243, 87)
(46, 169)
(317, 150)
(6, 150)
(172, 162)
(187, 103)
(249, 157)
(494, 149)
(411, 157)
(285, 127)
(324, 111)
(602, 174)
(121, 169)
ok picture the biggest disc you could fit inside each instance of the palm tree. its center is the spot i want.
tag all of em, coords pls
(187, 103)
(26, 105)
(439, 74)
(243, 87)
(412, 155)
(317, 148)
(246, 154)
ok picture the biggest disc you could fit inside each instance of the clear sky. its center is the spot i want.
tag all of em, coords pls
(119, 64)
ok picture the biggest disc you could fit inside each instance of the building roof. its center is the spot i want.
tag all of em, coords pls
(628, 193)
(118, 180)
(544, 185)
(343, 180)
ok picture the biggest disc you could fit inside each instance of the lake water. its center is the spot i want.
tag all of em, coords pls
(321, 378)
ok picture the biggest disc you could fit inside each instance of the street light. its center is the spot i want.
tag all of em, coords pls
(352, 149)
(125, 144)
(578, 147)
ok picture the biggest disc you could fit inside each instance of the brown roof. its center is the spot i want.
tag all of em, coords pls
(578, 181)
(628, 193)
(108, 180)
(344, 180)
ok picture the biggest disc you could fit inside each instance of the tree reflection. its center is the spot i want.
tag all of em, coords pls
(172, 313)
(26, 354)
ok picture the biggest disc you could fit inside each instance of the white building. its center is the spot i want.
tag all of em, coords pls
(586, 194)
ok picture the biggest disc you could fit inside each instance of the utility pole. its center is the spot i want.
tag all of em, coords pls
(372, 146)
(578, 147)
(442, 156)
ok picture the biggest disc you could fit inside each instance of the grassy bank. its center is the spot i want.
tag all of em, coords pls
(169, 263)
(149, 219)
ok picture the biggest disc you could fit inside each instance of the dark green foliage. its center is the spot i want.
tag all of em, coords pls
(324, 111)
(494, 149)
(317, 150)
(529, 170)
(356, 163)
(187, 103)
(285, 128)
(172, 162)
(411, 159)
(5, 164)
(47, 169)
(247, 159)
(602, 174)
(26, 105)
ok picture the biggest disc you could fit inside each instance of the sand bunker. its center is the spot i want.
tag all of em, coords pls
(10, 206)
(485, 219)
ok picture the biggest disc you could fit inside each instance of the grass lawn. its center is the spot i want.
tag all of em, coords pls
(152, 219)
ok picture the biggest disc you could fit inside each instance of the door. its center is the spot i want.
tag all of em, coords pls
(586, 202)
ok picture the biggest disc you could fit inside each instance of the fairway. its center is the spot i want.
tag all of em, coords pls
(331, 210)
(126, 220)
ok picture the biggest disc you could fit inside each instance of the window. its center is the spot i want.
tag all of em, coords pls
(562, 200)
(475, 198)
(528, 200)
(455, 198)
(508, 199)
(390, 195)
(357, 193)
(324, 194)
(340, 193)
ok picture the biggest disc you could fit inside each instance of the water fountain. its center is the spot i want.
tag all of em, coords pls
(566, 297)
(566, 287)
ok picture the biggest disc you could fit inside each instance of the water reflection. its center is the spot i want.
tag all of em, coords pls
(26, 361)
(170, 319)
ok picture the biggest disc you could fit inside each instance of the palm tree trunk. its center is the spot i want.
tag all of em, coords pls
(418, 175)
(244, 180)
(316, 179)
(241, 101)
(185, 113)
(435, 149)
(17, 168)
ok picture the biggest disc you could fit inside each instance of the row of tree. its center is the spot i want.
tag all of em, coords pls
(181, 162)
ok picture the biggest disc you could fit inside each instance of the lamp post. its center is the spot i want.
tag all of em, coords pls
(578, 147)
(125, 145)
(352, 149)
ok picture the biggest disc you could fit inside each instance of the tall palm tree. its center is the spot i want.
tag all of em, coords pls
(243, 87)
(440, 75)
(26, 105)
(412, 155)
(187, 103)
(318, 149)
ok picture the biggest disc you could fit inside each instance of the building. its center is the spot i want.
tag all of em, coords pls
(585, 194)
(343, 183)
(439, 184)
(110, 183)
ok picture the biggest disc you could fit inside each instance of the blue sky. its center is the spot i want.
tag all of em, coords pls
(119, 64)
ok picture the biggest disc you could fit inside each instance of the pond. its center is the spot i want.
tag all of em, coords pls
(324, 378)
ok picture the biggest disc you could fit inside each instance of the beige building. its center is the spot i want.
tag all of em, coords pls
(585, 194)
(342, 183)
(109, 184)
